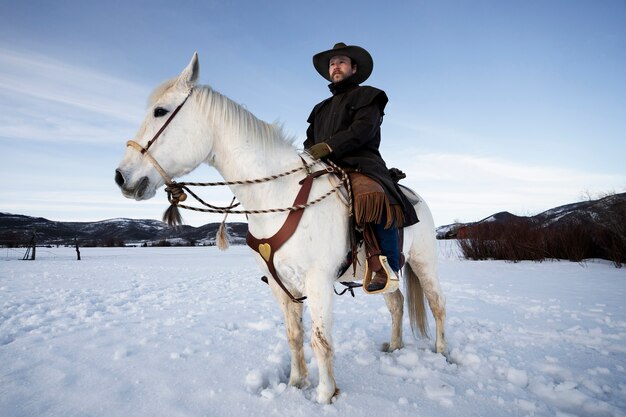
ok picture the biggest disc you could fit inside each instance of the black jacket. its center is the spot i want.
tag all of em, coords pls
(349, 122)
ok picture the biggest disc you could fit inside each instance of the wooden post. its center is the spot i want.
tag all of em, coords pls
(77, 250)
(32, 246)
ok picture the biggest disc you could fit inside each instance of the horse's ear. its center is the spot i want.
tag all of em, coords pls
(188, 78)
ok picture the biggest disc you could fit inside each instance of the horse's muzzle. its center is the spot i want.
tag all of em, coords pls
(138, 192)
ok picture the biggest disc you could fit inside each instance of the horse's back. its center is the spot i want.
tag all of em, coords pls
(420, 243)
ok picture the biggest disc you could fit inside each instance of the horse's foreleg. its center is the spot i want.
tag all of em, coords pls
(395, 304)
(320, 298)
(295, 335)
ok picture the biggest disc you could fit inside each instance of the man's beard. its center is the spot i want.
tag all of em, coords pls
(342, 76)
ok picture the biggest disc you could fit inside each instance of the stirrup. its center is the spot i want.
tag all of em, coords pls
(393, 281)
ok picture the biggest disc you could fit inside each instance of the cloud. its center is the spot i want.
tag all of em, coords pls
(61, 128)
(501, 170)
(48, 79)
(472, 187)
(42, 98)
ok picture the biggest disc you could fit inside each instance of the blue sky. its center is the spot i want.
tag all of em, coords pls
(494, 105)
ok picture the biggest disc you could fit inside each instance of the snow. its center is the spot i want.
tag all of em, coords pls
(194, 332)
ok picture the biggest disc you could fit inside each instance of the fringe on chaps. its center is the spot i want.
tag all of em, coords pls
(371, 202)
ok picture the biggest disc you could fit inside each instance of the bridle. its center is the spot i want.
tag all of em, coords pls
(144, 150)
(177, 191)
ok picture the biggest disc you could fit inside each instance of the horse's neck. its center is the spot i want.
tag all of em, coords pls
(247, 148)
(241, 158)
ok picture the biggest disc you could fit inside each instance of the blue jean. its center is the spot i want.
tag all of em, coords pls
(388, 242)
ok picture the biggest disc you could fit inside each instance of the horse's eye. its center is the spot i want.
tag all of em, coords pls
(160, 112)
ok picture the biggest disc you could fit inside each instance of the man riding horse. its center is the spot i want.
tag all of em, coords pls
(345, 128)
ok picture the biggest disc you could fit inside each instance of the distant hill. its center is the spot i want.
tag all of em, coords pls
(609, 211)
(17, 229)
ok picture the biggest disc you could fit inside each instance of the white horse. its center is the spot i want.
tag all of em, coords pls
(211, 128)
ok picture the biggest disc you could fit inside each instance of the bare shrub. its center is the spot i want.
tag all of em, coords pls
(599, 236)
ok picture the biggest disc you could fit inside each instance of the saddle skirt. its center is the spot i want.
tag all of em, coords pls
(409, 194)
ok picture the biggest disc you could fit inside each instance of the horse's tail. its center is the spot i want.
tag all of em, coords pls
(417, 307)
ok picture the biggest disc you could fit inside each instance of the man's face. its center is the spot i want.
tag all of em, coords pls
(340, 67)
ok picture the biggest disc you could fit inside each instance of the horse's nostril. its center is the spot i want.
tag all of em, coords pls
(119, 178)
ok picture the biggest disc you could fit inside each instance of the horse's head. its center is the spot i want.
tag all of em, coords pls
(165, 147)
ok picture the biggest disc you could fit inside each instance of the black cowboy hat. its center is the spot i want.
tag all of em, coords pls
(358, 55)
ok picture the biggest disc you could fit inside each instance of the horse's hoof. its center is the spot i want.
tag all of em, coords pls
(446, 354)
(441, 348)
(388, 347)
(302, 384)
(326, 397)
(335, 395)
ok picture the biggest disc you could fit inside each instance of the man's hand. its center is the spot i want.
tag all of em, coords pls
(319, 150)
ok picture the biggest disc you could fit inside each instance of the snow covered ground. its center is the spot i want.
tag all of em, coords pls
(194, 332)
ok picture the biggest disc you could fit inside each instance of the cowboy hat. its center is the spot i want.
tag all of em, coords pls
(358, 55)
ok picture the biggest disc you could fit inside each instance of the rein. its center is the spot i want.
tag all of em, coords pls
(178, 187)
(266, 247)
(177, 191)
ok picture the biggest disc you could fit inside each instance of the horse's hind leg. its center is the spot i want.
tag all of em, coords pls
(395, 304)
(422, 280)
(295, 335)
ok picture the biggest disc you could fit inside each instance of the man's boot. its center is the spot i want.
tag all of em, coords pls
(379, 277)
(378, 282)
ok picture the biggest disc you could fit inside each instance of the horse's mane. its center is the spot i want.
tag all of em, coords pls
(228, 113)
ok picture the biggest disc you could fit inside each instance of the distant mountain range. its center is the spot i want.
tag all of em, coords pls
(609, 211)
(17, 229)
